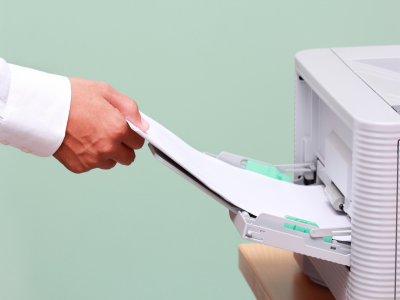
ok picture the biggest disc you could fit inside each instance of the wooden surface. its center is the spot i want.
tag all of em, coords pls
(273, 274)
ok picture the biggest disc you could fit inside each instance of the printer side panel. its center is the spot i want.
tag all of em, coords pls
(375, 169)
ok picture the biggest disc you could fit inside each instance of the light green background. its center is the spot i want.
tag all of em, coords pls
(217, 73)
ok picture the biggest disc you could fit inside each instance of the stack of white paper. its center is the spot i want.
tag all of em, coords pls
(250, 191)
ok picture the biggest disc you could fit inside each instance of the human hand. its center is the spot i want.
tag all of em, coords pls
(97, 134)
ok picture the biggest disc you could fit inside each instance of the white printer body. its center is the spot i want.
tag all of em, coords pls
(347, 124)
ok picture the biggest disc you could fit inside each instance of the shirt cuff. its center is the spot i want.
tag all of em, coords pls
(37, 110)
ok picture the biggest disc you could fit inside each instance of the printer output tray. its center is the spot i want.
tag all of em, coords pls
(265, 228)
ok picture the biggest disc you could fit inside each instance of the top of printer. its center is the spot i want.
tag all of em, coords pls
(358, 83)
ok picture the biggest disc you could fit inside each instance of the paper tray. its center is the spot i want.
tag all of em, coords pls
(266, 229)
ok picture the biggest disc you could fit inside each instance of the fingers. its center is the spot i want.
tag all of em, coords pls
(128, 108)
(124, 155)
(109, 164)
(132, 139)
(121, 132)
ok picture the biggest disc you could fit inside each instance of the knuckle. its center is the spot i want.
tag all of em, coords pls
(105, 87)
(119, 127)
(92, 162)
(105, 148)
(134, 106)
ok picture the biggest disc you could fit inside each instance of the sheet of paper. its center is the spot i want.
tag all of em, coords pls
(250, 191)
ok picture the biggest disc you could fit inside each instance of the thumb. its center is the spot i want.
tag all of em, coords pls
(129, 109)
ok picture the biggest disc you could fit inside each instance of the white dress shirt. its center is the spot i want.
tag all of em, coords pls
(34, 109)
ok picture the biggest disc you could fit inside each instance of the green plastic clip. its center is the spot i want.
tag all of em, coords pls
(266, 170)
(327, 239)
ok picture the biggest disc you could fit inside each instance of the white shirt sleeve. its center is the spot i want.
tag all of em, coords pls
(34, 109)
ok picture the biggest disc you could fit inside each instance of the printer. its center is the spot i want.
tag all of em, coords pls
(347, 124)
(347, 133)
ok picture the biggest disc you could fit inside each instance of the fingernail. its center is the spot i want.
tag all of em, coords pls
(145, 124)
